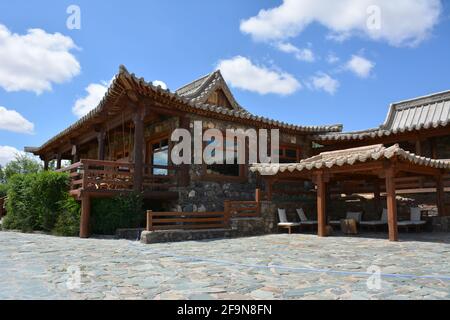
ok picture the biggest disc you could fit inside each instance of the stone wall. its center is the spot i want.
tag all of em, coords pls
(208, 194)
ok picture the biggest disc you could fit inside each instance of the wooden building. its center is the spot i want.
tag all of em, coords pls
(123, 145)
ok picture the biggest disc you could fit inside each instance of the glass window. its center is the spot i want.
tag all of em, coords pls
(160, 157)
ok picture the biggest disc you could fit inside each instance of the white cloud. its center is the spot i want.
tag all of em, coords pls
(241, 73)
(400, 22)
(8, 154)
(95, 93)
(36, 60)
(11, 120)
(332, 58)
(360, 66)
(160, 83)
(324, 82)
(304, 54)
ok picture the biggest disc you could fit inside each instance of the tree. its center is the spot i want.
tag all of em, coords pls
(2, 175)
(22, 164)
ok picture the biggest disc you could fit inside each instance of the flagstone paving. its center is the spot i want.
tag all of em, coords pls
(34, 266)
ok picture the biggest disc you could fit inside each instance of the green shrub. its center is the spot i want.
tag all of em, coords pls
(68, 222)
(3, 190)
(125, 211)
(34, 200)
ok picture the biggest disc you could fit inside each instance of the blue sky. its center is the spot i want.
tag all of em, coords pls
(178, 41)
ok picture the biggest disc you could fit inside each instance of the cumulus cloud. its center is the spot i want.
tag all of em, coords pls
(11, 120)
(95, 93)
(160, 83)
(360, 66)
(400, 22)
(302, 54)
(8, 154)
(36, 60)
(241, 73)
(324, 82)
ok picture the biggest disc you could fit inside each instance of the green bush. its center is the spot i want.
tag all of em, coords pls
(34, 200)
(3, 190)
(68, 222)
(125, 211)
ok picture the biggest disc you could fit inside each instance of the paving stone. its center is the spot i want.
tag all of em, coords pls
(35, 266)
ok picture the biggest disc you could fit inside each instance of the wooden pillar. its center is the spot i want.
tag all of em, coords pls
(183, 176)
(321, 203)
(391, 204)
(85, 216)
(440, 196)
(377, 196)
(46, 162)
(101, 134)
(58, 161)
(418, 147)
(138, 152)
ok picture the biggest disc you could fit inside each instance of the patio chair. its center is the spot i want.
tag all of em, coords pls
(284, 223)
(350, 215)
(374, 224)
(415, 220)
(304, 221)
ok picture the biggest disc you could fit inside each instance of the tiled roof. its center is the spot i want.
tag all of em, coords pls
(124, 81)
(200, 89)
(427, 112)
(349, 157)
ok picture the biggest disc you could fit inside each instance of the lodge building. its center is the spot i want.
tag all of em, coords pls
(123, 145)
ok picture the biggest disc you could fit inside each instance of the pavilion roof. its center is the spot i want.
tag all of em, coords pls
(339, 158)
(432, 111)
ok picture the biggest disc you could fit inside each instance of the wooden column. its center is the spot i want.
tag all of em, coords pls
(46, 162)
(138, 152)
(377, 196)
(58, 161)
(440, 196)
(101, 134)
(391, 204)
(269, 188)
(85, 216)
(183, 176)
(321, 203)
(418, 147)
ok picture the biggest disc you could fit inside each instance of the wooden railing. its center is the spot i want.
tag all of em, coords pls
(92, 175)
(186, 220)
(205, 220)
(242, 209)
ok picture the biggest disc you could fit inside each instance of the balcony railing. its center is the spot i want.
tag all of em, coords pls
(97, 175)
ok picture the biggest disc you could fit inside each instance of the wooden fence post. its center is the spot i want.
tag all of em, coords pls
(258, 201)
(227, 213)
(149, 220)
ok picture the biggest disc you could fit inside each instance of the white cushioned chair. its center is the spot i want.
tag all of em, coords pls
(284, 223)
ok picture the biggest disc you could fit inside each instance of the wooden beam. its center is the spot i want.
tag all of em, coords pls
(391, 204)
(138, 152)
(321, 203)
(85, 216)
(377, 196)
(440, 196)
(101, 135)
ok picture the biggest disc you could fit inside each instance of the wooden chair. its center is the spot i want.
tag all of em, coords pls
(304, 221)
(376, 223)
(415, 220)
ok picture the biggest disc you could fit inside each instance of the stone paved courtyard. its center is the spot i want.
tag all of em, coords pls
(268, 267)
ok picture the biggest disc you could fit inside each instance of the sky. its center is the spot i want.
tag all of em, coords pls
(306, 62)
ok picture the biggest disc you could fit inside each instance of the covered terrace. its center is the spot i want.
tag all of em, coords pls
(370, 163)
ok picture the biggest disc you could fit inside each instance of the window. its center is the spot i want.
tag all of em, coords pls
(289, 154)
(160, 156)
(225, 171)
